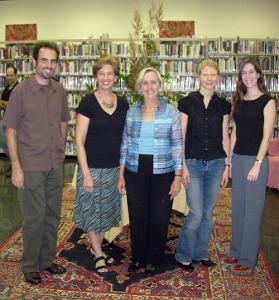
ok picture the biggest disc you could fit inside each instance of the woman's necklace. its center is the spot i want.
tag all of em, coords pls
(149, 110)
(108, 105)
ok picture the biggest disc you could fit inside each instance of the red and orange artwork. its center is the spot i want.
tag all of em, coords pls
(20, 32)
(172, 29)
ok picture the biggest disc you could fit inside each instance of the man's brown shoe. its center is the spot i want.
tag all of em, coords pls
(32, 277)
(55, 269)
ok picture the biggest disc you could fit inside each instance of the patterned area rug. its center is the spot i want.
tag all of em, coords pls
(171, 282)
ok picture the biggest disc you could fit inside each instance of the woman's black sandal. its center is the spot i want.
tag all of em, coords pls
(100, 267)
(109, 263)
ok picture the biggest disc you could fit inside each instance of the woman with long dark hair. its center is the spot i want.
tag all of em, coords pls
(253, 121)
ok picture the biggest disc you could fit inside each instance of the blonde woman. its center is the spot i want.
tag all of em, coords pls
(205, 129)
(151, 156)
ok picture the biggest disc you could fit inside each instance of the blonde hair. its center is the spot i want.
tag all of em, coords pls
(208, 62)
(106, 60)
(141, 75)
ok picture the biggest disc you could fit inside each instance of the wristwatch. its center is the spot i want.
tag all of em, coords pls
(259, 161)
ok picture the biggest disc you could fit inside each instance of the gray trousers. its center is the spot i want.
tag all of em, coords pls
(40, 204)
(3, 142)
(248, 198)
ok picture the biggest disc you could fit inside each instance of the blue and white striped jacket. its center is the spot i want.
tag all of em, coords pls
(168, 144)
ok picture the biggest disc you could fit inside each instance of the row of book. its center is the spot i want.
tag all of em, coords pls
(226, 83)
(70, 148)
(3, 68)
(71, 133)
(179, 67)
(231, 64)
(81, 67)
(3, 83)
(173, 67)
(185, 83)
(84, 67)
(80, 83)
(269, 64)
(222, 46)
(16, 51)
(185, 49)
(73, 117)
(271, 82)
(71, 50)
(74, 99)
(268, 47)
(76, 82)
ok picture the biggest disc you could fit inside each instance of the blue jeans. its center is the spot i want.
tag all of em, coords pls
(201, 195)
(3, 142)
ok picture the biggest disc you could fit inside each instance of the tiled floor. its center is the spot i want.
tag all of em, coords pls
(10, 216)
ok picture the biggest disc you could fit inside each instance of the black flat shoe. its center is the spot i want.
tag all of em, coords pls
(208, 263)
(55, 269)
(150, 269)
(195, 262)
(134, 267)
(205, 262)
(186, 267)
(32, 278)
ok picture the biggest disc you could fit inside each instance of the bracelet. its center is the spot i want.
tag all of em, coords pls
(227, 165)
(178, 175)
(259, 161)
(120, 176)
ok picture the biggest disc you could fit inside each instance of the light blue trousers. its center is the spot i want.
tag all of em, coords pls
(201, 195)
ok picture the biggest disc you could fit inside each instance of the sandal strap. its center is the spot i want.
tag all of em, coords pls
(99, 258)
(108, 258)
(101, 267)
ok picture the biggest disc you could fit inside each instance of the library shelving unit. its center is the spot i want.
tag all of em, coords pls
(177, 56)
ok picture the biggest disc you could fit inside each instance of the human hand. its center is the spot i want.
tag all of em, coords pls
(88, 183)
(254, 173)
(185, 176)
(175, 187)
(121, 186)
(225, 177)
(18, 178)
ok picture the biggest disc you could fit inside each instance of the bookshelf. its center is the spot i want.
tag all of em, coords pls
(177, 56)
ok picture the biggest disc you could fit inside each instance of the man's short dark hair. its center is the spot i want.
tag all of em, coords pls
(12, 67)
(49, 45)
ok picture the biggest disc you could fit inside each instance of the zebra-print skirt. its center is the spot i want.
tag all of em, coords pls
(100, 211)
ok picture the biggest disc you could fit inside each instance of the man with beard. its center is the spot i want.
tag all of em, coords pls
(11, 76)
(37, 118)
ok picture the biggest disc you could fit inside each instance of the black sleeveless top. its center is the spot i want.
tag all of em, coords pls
(249, 120)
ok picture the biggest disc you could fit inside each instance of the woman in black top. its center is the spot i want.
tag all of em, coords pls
(205, 122)
(100, 122)
(253, 115)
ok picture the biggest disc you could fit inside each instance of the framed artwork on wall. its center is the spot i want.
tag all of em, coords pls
(20, 32)
(172, 29)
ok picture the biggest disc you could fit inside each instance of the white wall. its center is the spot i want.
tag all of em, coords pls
(75, 19)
